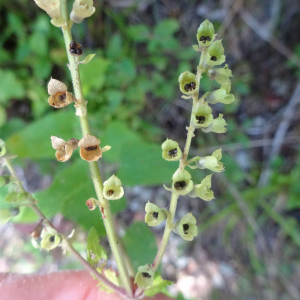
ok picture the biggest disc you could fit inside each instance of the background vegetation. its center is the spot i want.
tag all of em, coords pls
(248, 246)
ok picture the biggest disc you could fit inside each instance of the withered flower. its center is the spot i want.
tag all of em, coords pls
(89, 148)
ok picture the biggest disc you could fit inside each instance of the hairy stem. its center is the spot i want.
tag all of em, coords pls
(95, 173)
(69, 247)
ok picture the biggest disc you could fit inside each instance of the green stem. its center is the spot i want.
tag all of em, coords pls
(95, 173)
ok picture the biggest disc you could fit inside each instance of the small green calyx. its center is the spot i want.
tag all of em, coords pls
(205, 34)
(217, 125)
(5, 215)
(203, 190)
(221, 95)
(221, 75)
(50, 238)
(182, 183)
(144, 276)
(171, 150)
(154, 215)
(202, 116)
(187, 83)
(186, 227)
(211, 162)
(112, 188)
(214, 56)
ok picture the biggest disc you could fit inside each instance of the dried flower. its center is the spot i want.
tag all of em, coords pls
(89, 148)
(82, 9)
(91, 203)
(64, 149)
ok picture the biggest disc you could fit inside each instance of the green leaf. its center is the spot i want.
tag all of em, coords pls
(138, 33)
(140, 244)
(10, 86)
(87, 59)
(95, 251)
(159, 285)
(68, 194)
(34, 140)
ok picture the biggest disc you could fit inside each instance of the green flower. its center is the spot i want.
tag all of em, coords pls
(171, 150)
(217, 125)
(154, 215)
(214, 56)
(221, 75)
(186, 227)
(112, 188)
(50, 238)
(211, 162)
(187, 83)
(205, 34)
(182, 183)
(144, 276)
(5, 215)
(221, 95)
(203, 190)
(202, 116)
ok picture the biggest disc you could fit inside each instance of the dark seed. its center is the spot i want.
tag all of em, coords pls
(91, 148)
(52, 238)
(208, 39)
(213, 58)
(79, 51)
(73, 50)
(186, 228)
(172, 152)
(73, 44)
(200, 119)
(155, 215)
(202, 39)
(146, 275)
(110, 192)
(62, 97)
(180, 185)
(187, 87)
(193, 85)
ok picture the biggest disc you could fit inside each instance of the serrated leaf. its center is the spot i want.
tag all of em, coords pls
(87, 59)
(140, 244)
(159, 285)
(95, 252)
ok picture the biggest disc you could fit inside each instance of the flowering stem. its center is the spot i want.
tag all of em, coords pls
(182, 165)
(95, 173)
(69, 247)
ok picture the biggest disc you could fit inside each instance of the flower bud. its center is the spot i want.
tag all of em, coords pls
(221, 95)
(187, 83)
(89, 148)
(64, 149)
(202, 116)
(214, 56)
(205, 34)
(15, 198)
(182, 183)
(171, 150)
(5, 215)
(91, 203)
(211, 162)
(186, 227)
(59, 96)
(2, 148)
(144, 276)
(154, 215)
(50, 238)
(82, 9)
(5, 179)
(112, 188)
(203, 190)
(217, 125)
(221, 75)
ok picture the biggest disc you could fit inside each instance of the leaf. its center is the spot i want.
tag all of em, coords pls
(138, 33)
(87, 59)
(34, 140)
(95, 252)
(140, 244)
(158, 286)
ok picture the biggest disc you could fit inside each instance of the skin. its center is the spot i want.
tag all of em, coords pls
(75, 285)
